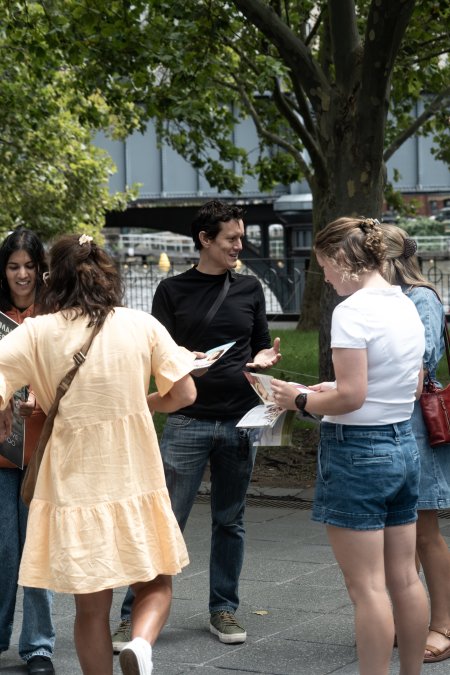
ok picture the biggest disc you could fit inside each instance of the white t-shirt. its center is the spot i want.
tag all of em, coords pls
(386, 323)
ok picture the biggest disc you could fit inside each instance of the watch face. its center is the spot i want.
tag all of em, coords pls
(300, 401)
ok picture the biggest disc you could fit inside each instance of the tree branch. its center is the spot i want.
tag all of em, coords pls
(313, 32)
(272, 138)
(386, 25)
(436, 104)
(292, 50)
(300, 129)
(345, 40)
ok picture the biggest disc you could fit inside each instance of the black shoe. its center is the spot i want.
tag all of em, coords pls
(40, 665)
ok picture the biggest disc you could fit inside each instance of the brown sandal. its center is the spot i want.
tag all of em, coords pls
(438, 654)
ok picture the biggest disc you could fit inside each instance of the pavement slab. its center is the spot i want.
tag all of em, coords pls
(294, 604)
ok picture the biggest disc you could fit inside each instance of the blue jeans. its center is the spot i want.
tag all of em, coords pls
(367, 476)
(186, 446)
(37, 636)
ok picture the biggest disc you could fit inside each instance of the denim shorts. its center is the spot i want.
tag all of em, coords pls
(367, 476)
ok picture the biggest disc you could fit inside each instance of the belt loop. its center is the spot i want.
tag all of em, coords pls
(339, 432)
(396, 432)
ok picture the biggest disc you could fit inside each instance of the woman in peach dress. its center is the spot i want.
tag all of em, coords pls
(101, 516)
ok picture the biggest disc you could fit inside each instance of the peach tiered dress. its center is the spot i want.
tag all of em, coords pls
(101, 515)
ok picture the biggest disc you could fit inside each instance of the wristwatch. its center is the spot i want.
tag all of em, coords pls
(300, 402)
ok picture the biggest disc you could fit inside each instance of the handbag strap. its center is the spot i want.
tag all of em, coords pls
(79, 358)
(200, 328)
(447, 344)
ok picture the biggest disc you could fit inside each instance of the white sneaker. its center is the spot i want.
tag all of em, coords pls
(136, 658)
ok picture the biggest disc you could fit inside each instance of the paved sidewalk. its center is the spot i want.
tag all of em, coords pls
(294, 604)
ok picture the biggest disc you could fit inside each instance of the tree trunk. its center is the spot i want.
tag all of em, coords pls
(352, 190)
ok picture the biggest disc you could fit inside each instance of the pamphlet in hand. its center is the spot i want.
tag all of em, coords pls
(212, 355)
(13, 447)
(275, 423)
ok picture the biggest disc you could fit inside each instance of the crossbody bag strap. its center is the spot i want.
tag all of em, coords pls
(199, 329)
(32, 470)
(79, 358)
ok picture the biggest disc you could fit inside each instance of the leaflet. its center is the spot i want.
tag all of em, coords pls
(212, 356)
(275, 423)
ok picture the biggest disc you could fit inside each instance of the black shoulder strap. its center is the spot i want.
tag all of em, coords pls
(199, 329)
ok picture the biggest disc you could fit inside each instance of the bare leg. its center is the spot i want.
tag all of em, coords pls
(435, 558)
(151, 607)
(360, 555)
(92, 633)
(408, 596)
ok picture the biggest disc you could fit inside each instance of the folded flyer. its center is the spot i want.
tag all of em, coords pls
(266, 414)
(212, 355)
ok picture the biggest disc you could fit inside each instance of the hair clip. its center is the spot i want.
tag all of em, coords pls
(409, 247)
(84, 239)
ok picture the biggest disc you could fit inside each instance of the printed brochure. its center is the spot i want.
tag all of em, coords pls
(212, 355)
(274, 424)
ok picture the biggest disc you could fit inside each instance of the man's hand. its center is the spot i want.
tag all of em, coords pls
(266, 358)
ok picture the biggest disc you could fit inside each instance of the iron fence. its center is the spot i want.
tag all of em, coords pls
(282, 280)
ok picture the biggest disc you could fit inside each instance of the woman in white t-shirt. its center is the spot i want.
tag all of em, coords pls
(368, 461)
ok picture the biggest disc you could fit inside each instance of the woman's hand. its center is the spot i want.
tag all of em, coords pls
(284, 394)
(201, 371)
(26, 408)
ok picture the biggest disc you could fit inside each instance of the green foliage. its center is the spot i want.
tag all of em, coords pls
(198, 68)
(53, 178)
(422, 227)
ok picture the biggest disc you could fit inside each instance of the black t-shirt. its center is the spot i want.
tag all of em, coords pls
(182, 301)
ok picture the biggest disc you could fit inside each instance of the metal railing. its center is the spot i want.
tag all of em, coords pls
(283, 283)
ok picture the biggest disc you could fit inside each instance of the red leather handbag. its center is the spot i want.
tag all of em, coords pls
(435, 404)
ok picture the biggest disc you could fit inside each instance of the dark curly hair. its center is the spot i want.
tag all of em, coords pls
(21, 240)
(83, 280)
(209, 219)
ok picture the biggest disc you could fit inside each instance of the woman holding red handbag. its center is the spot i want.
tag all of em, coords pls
(402, 268)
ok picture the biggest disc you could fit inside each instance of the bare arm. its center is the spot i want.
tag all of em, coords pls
(182, 393)
(422, 375)
(349, 394)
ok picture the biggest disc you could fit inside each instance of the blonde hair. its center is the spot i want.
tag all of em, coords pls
(401, 266)
(355, 245)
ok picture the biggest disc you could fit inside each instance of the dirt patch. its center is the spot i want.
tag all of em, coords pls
(294, 466)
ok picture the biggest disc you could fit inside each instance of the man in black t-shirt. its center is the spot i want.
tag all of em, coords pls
(206, 431)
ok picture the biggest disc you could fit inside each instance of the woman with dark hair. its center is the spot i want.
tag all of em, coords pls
(101, 516)
(22, 264)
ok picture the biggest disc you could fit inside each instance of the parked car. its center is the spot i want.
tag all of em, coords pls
(443, 215)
